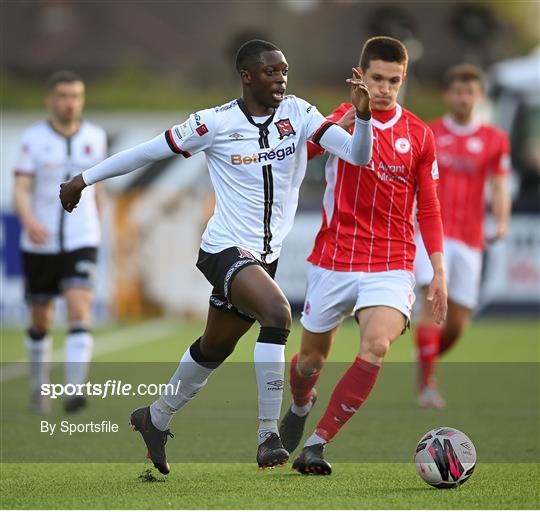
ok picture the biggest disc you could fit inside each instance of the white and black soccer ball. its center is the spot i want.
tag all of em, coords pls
(445, 457)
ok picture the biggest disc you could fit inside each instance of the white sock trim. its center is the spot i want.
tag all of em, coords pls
(301, 410)
(315, 439)
(267, 427)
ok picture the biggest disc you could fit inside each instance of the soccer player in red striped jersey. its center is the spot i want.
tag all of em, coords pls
(470, 153)
(363, 257)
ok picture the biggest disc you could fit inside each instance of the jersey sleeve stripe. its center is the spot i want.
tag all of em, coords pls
(174, 147)
(321, 131)
(23, 172)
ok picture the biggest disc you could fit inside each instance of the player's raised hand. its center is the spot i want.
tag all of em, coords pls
(70, 192)
(360, 94)
(437, 296)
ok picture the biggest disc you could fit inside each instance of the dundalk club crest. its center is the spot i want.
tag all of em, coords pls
(284, 128)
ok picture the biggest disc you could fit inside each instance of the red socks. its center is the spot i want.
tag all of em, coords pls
(348, 396)
(428, 341)
(301, 387)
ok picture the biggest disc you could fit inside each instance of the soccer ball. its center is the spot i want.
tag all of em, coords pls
(445, 457)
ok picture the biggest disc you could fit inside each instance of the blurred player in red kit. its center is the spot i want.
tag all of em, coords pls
(362, 261)
(469, 154)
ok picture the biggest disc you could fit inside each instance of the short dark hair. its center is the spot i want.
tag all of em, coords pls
(383, 48)
(463, 73)
(250, 52)
(59, 77)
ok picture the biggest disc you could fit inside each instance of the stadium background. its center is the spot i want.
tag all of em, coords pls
(149, 64)
(150, 69)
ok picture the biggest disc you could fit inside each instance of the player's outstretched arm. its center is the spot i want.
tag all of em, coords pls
(116, 165)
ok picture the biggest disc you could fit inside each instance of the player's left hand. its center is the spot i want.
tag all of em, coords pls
(70, 192)
(501, 230)
(437, 296)
(360, 94)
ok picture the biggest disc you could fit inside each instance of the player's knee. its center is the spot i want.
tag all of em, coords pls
(310, 364)
(277, 314)
(377, 347)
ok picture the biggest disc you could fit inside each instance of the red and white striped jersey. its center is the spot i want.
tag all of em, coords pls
(467, 156)
(367, 222)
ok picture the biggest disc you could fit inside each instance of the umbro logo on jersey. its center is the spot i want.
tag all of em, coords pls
(236, 136)
(256, 158)
(284, 128)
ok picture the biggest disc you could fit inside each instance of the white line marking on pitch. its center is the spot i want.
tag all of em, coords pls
(115, 341)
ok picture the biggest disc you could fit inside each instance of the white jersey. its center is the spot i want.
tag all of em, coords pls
(51, 158)
(256, 166)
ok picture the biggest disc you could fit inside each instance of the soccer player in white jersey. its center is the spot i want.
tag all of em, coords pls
(256, 153)
(59, 251)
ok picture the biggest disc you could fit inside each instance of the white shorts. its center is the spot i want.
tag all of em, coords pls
(463, 265)
(332, 296)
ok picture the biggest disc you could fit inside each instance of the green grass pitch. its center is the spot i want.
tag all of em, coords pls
(241, 485)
